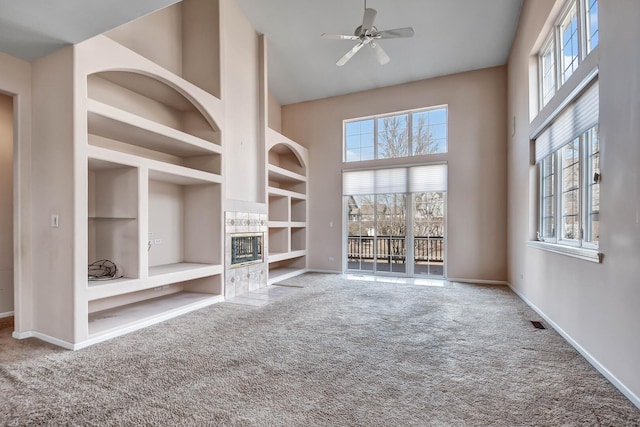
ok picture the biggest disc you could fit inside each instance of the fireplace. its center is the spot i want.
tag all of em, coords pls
(246, 249)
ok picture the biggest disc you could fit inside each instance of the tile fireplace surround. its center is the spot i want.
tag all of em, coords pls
(243, 279)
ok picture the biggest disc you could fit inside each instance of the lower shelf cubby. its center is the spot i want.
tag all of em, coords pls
(285, 269)
(124, 313)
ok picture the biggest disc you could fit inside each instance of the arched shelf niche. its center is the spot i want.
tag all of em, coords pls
(286, 156)
(145, 115)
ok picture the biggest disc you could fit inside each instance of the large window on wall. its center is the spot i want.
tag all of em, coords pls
(574, 36)
(412, 133)
(568, 159)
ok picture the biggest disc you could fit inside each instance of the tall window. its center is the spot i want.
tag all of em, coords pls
(412, 133)
(592, 24)
(592, 231)
(548, 198)
(568, 156)
(574, 36)
(579, 189)
(570, 190)
(548, 70)
(569, 43)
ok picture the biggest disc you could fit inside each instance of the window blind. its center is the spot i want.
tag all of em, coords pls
(578, 117)
(428, 178)
(395, 180)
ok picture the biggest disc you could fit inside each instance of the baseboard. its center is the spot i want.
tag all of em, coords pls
(479, 281)
(45, 338)
(324, 271)
(592, 360)
(7, 314)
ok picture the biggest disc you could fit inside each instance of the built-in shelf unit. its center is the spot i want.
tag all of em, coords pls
(154, 190)
(154, 202)
(287, 204)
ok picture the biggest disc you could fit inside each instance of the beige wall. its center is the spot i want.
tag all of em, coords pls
(52, 163)
(6, 204)
(275, 113)
(596, 305)
(477, 156)
(162, 41)
(241, 141)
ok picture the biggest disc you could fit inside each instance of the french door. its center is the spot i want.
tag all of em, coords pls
(396, 233)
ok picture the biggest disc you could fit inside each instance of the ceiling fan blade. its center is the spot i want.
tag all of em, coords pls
(396, 33)
(367, 20)
(347, 56)
(339, 37)
(381, 55)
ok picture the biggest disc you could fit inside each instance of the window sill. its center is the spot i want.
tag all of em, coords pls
(580, 253)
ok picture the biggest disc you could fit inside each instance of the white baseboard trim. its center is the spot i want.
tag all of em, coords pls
(280, 278)
(325, 271)
(45, 338)
(592, 360)
(479, 281)
(7, 314)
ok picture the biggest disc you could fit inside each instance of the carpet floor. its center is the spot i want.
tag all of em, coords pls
(336, 353)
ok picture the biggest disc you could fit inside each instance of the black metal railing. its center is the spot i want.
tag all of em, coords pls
(392, 248)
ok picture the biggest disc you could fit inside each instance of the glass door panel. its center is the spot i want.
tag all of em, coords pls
(390, 233)
(360, 232)
(376, 233)
(428, 233)
(377, 239)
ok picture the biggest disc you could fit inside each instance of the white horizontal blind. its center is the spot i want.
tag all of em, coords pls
(395, 180)
(360, 182)
(579, 116)
(390, 181)
(428, 178)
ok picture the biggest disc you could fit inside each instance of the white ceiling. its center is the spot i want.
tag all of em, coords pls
(30, 29)
(451, 36)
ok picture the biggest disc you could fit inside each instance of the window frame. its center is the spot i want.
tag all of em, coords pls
(409, 129)
(568, 11)
(586, 10)
(584, 48)
(550, 44)
(585, 221)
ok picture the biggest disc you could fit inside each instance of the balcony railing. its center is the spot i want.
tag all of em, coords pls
(392, 249)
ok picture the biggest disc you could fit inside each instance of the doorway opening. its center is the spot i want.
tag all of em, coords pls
(6, 207)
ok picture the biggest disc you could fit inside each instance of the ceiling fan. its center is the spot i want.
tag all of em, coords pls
(367, 34)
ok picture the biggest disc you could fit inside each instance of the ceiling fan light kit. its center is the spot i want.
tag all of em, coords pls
(367, 34)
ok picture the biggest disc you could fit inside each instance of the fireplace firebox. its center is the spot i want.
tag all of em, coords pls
(246, 249)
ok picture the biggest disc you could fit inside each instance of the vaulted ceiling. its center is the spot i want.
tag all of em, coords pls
(451, 36)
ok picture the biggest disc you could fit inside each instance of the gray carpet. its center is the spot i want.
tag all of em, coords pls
(338, 352)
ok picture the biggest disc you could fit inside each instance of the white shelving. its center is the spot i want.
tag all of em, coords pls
(113, 123)
(137, 315)
(287, 196)
(154, 206)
